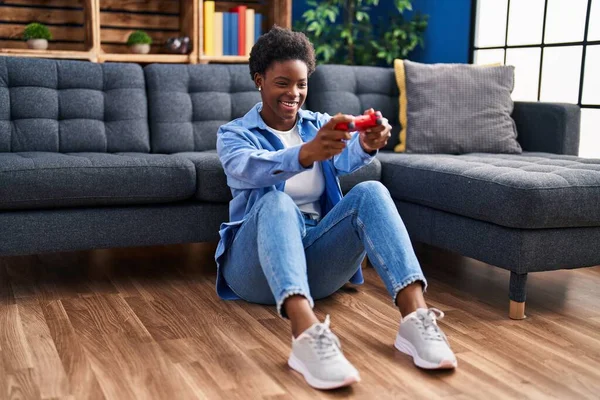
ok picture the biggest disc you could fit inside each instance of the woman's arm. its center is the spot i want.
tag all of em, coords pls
(248, 167)
(353, 156)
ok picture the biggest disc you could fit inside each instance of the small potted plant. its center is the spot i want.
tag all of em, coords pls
(139, 42)
(37, 36)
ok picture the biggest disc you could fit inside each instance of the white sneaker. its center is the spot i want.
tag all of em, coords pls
(421, 338)
(317, 354)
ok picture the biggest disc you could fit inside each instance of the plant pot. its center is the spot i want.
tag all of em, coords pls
(140, 48)
(37, 44)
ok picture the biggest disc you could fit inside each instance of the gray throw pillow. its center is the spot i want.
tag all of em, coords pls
(459, 108)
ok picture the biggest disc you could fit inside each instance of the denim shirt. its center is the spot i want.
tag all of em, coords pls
(256, 162)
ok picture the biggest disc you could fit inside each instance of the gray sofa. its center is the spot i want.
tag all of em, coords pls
(113, 155)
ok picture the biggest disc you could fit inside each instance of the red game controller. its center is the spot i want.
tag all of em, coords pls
(369, 120)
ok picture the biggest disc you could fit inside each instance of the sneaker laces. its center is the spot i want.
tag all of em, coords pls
(325, 343)
(431, 330)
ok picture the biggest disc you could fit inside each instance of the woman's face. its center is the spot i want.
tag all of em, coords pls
(283, 90)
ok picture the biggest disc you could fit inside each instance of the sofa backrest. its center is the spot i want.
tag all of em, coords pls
(188, 103)
(354, 89)
(72, 106)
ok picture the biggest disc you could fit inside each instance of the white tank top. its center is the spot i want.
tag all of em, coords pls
(306, 187)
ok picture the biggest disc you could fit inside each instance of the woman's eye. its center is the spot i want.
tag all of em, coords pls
(281, 84)
(302, 86)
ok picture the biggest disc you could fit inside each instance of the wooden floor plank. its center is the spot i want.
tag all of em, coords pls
(6, 294)
(16, 353)
(22, 385)
(146, 323)
(203, 385)
(48, 369)
(110, 376)
(157, 327)
(83, 382)
(104, 364)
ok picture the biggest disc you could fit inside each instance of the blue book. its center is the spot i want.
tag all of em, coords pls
(226, 33)
(233, 31)
(257, 26)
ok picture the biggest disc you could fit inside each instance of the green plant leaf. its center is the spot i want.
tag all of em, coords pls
(139, 37)
(331, 15)
(36, 30)
(313, 26)
(309, 15)
(356, 38)
(402, 5)
(361, 15)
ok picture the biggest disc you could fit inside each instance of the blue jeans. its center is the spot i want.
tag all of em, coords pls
(279, 252)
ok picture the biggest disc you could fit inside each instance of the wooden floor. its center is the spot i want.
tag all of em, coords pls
(146, 324)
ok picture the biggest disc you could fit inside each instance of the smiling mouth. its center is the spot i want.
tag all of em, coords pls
(289, 103)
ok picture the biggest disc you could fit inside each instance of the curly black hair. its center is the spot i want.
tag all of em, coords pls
(281, 44)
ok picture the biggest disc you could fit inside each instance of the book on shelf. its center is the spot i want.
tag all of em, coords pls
(233, 34)
(209, 20)
(230, 33)
(241, 33)
(218, 38)
(249, 30)
(225, 33)
(258, 23)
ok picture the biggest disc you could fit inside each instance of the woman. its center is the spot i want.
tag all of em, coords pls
(293, 238)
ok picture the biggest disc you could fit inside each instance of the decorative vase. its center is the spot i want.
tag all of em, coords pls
(37, 44)
(140, 48)
(179, 45)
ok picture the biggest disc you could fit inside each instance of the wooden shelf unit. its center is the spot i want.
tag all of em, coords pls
(223, 59)
(275, 12)
(172, 18)
(107, 24)
(67, 54)
(146, 58)
(67, 15)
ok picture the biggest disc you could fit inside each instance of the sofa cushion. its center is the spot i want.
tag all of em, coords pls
(532, 190)
(354, 89)
(188, 103)
(370, 172)
(456, 108)
(42, 179)
(211, 181)
(72, 106)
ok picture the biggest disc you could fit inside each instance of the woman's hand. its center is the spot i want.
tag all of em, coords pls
(377, 137)
(328, 142)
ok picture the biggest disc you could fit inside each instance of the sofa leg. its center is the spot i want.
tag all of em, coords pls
(517, 295)
(516, 310)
